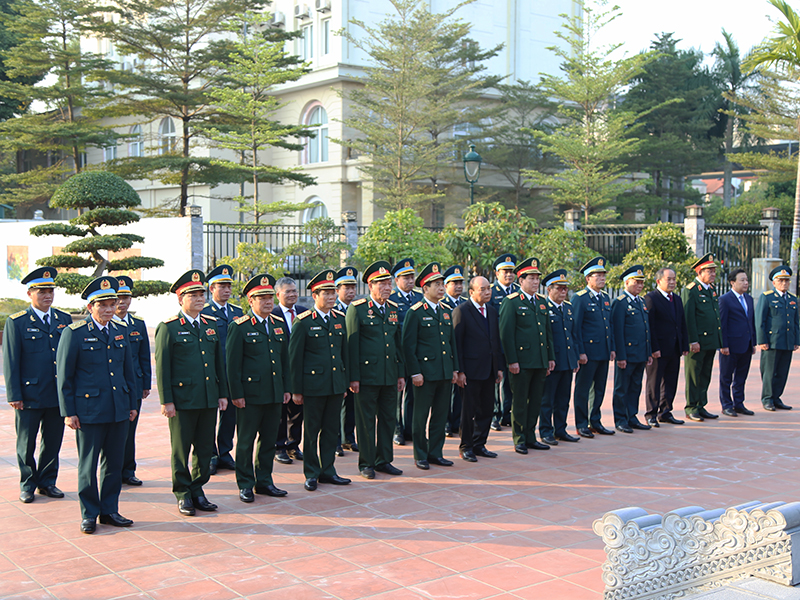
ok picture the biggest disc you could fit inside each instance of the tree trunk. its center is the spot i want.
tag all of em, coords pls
(726, 178)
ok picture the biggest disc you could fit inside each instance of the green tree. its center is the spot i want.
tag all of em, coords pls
(322, 248)
(748, 208)
(103, 199)
(558, 248)
(10, 107)
(400, 234)
(252, 259)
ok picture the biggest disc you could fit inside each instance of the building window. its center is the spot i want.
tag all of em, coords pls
(136, 145)
(317, 146)
(166, 136)
(325, 42)
(307, 42)
(110, 153)
(316, 209)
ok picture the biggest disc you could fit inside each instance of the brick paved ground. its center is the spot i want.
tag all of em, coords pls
(513, 527)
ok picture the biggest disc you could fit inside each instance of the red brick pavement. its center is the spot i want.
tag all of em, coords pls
(513, 527)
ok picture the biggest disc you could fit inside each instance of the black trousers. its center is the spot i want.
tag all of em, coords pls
(590, 387)
(103, 443)
(454, 416)
(28, 422)
(477, 407)
(774, 371)
(555, 403)
(405, 410)
(225, 431)
(348, 428)
(733, 370)
(662, 384)
(627, 389)
(290, 431)
(129, 461)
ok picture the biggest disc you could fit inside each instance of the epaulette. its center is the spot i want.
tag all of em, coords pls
(209, 317)
(767, 293)
(234, 305)
(359, 302)
(304, 315)
(582, 292)
(338, 312)
(240, 320)
(542, 296)
(78, 324)
(206, 305)
(392, 302)
(691, 285)
(622, 297)
(120, 322)
(514, 295)
(567, 302)
(277, 317)
(416, 306)
(135, 317)
(171, 319)
(18, 315)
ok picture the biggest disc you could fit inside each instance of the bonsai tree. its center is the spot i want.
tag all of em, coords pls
(101, 198)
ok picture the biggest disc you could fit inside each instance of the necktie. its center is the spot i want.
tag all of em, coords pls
(669, 297)
(196, 328)
(743, 303)
(483, 311)
(47, 319)
(383, 312)
(225, 312)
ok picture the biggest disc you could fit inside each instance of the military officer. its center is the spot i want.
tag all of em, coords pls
(429, 352)
(346, 292)
(96, 396)
(453, 288)
(192, 386)
(405, 297)
(503, 286)
(30, 341)
(595, 338)
(258, 379)
(220, 281)
(527, 342)
(139, 341)
(633, 347)
(778, 335)
(701, 307)
(374, 346)
(318, 366)
(558, 385)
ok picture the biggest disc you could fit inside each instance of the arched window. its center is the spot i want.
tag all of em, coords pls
(316, 209)
(136, 144)
(316, 147)
(166, 136)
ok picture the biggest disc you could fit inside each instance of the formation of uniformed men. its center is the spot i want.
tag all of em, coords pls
(394, 366)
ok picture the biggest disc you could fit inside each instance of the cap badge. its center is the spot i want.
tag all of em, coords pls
(330, 276)
(46, 275)
(195, 276)
(350, 272)
(225, 271)
(435, 268)
(508, 259)
(382, 270)
(783, 272)
(408, 263)
(600, 262)
(105, 284)
(264, 281)
(534, 263)
(457, 271)
(638, 271)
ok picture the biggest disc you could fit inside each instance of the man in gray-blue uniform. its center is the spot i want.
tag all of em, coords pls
(405, 297)
(220, 281)
(345, 294)
(558, 385)
(503, 285)
(136, 330)
(30, 340)
(634, 352)
(95, 394)
(453, 288)
(778, 335)
(595, 338)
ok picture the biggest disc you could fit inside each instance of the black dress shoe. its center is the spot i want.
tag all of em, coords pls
(246, 495)
(26, 497)
(521, 449)
(295, 454)
(769, 406)
(668, 418)
(389, 469)
(270, 490)
(368, 473)
(469, 456)
(482, 451)
(352, 446)
(448, 432)
(506, 422)
(88, 526)
(495, 426)
(585, 432)
(624, 429)
(399, 440)
(729, 412)
(310, 484)
(640, 426)
(538, 446)
(226, 463)
(282, 457)
(115, 519)
(743, 411)
(335, 480)
(422, 464)
(212, 468)
(706, 415)
(781, 405)
(442, 462)
(600, 429)
(694, 417)
(339, 450)
(565, 437)
(51, 491)
(550, 440)
(653, 422)
(202, 503)
(132, 480)
(186, 507)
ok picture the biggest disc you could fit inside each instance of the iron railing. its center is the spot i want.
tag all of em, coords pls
(735, 247)
(612, 241)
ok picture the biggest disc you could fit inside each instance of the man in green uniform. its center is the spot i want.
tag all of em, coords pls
(318, 366)
(528, 347)
(95, 394)
(192, 387)
(30, 341)
(503, 285)
(258, 379)
(778, 335)
(701, 306)
(374, 347)
(136, 331)
(429, 350)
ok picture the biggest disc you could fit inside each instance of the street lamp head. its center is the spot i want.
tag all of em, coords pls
(472, 165)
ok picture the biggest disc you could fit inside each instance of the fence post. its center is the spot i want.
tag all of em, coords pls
(572, 219)
(772, 222)
(350, 225)
(694, 228)
(196, 231)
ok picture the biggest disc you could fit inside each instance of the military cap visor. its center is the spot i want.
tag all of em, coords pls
(558, 277)
(377, 271)
(782, 272)
(101, 288)
(125, 286)
(432, 272)
(529, 266)
(42, 278)
(221, 274)
(325, 280)
(260, 285)
(633, 272)
(706, 262)
(454, 273)
(404, 267)
(505, 261)
(346, 276)
(191, 281)
(596, 265)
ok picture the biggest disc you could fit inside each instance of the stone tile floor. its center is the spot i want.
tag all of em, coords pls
(513, 527)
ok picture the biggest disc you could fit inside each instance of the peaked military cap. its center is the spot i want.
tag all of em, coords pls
(596, 265)
(125, 286)
(557, 277)
(262, 284)
(220, 274)
(706, 262)
(404, 266)
(504, 261)
(324, 280)
(377, 271)
(43, 277)
(102, 288)
(346, 276)
(529, 266)
(782, 272)
(191, 281)
(454, 273)
(431, 272)
(633, 272)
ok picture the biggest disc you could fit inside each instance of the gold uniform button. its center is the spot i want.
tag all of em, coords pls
(115, 389)
(203, 352)
(205, 364)
(51, 335)
(273, 362)
(112, 373)
(87, 395)
(206, 378)
(248, 379)
(180, 384)
(444, 351)
(334, 368)
(313, 372)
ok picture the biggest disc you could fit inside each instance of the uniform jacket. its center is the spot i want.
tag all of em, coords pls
(298, 310)
(525, 331)
(631, 325)
(318, 354)
(374, 343)
(453, 303)
(258, 363)
(777, 321)
(562, 325)
(429, 342)
(223, 323)
(738, 329)
(498, 294)
(593, 332)
(667, 324)
(190, 369)
(95, 373)
(404, 305)
(29, 357)
(702, 316)
(140, 350)
(480, 356)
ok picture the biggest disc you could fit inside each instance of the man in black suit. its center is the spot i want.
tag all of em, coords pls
(670, 342)
(287, 446)
(480, 366)
(738, 325)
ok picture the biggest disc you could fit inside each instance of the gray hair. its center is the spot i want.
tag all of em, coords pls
(662, 271)
(284, 282)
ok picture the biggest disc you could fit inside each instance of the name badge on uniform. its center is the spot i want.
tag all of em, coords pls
(278, 331)
(250, 333)
(427, 318)
(337, 325)
(183, 333)
(315, 328)
(32, 330)
(89, 339)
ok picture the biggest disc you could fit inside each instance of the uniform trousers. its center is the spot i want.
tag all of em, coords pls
(28, 422)
(590, 388)
(627, 389)
(698, 367)
(774, 371)
(129, 458)
(503, 398)
(227, 427)
(192, 430)
(253, 420)
(322, 416)
(662, 384)
(375, 403)
(733, 370)
(555, 404)
(103, 443)
(477, 406)
(290, 431)
(527, 388)
(431, 398)
(405, 410)
(348, 419)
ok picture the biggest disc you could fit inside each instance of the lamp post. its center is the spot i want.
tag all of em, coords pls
(472, 171)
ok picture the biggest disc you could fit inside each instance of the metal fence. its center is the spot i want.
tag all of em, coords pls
(735, 246)
(786, 244)
(612, 241)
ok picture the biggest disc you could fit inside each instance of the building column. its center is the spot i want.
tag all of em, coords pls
(694, 228)
(772, 222)
(572, 219)
(196, 215)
